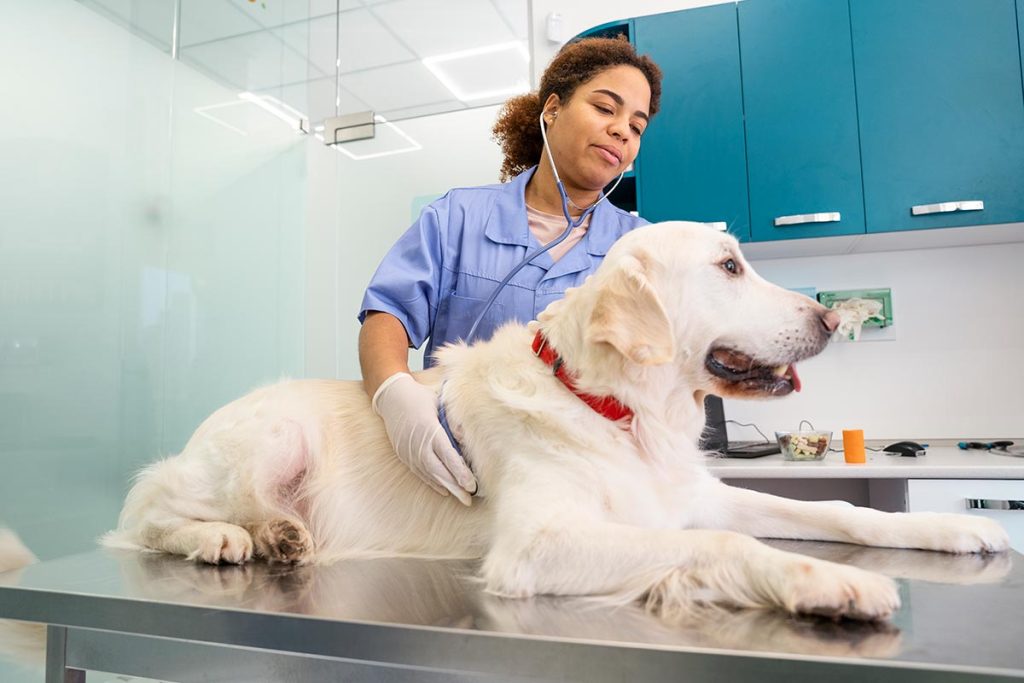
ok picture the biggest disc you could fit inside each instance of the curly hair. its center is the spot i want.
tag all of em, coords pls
(517, 129)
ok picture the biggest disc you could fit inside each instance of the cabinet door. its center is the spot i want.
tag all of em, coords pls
(803, 150)
(1020, 39)
(941, 111)
(692, 163)
(952, 495)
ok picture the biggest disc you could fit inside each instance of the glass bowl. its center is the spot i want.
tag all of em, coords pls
(804, 445)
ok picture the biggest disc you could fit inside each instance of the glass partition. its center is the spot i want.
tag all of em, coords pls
(153, 212)
(151, 262)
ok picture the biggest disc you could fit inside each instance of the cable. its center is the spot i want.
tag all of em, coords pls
(743, 424)
(801, 424)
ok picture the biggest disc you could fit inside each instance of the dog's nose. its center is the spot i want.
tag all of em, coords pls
(830, 320)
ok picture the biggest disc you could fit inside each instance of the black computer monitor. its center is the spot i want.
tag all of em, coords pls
(715, 436)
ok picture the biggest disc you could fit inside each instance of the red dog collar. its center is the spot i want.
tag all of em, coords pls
(608, 406)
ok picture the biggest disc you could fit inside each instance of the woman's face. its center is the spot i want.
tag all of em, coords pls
(595, 136)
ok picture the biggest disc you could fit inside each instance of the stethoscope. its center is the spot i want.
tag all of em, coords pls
(569, 227)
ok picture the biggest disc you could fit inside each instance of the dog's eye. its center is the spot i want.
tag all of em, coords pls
(731, 266)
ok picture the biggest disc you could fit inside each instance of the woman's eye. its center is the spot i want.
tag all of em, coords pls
(730, 266)
(603, 110)
(636, 129)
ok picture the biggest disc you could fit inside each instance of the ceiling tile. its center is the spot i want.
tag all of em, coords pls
(517, 15)
(273, 13)
(365, 43)
(154, 21)
(206, 20)
(422, 110)
(252, 62)
(434, 27)
(318, 8)
(397, 86)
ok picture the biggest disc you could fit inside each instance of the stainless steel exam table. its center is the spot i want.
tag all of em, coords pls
(400, 620)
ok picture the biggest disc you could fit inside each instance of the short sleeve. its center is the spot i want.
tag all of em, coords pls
(408, 279)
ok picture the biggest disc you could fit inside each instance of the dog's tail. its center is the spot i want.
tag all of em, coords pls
(138, 507)
(21, 643)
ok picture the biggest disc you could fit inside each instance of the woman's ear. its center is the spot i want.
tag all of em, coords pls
(551, 107)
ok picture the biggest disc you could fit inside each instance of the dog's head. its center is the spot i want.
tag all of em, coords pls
(682, 293)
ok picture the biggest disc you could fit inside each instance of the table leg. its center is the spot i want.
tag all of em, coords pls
(57, 670)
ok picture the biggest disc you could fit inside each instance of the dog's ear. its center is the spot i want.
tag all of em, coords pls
(630, 317)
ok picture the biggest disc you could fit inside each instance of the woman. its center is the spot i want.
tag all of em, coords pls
(596, 98)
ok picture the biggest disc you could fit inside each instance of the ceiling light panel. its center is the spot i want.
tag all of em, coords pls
(253, 115)
(388, 140)
(494, 71)
(317, 98)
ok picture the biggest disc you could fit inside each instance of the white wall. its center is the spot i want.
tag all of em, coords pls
(953, 369)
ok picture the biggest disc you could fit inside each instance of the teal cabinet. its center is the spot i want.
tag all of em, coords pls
(1020, 38)
(941, 111)
(803, 150)
(692, 163)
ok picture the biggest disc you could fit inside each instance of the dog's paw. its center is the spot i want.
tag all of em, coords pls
(810, 586)
(959, 533)
(219, 542)
(283, 540)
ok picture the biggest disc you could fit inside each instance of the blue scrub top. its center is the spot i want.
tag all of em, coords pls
(438, 276)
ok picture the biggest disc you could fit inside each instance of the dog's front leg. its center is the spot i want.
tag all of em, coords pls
(675, 571)
(767, 516)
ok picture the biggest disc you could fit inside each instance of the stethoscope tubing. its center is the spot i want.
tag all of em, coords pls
(569, 227)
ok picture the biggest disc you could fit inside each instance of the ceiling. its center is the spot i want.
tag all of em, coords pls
(398, 58)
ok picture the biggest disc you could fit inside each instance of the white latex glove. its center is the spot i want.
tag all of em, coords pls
(409, 411)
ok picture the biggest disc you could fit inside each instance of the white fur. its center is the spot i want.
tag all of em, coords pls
(569, 503)
(20, 642)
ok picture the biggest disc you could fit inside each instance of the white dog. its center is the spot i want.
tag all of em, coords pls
(571, 502)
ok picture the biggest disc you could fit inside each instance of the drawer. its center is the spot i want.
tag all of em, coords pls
(951, 495)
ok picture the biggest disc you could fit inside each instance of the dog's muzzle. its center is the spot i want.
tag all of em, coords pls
(746, 375)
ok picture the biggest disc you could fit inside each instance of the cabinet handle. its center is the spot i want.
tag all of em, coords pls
(988, 504)
(828, 217)
(947, 207)
(719, 225)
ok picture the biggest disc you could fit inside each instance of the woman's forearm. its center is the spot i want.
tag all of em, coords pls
(383, 349)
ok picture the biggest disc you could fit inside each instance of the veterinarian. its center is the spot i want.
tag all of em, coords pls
(596, 97)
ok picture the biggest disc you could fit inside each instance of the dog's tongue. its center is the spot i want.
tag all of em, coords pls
(796, 378)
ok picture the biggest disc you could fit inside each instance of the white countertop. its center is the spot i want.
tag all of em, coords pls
(940, 462)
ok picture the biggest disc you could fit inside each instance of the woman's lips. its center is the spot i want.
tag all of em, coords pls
(608, 156)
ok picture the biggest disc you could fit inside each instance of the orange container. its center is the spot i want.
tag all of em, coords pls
(853, 446)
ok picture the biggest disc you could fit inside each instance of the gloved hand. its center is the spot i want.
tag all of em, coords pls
(409, 411)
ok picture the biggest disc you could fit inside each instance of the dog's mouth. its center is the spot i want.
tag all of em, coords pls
(745, 375)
